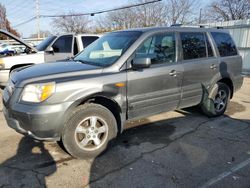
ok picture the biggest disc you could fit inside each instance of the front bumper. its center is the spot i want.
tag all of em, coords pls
(40, 122)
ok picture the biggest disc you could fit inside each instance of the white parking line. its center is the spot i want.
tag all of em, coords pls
(225, 174)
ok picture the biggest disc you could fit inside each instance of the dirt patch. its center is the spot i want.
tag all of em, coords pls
(234, 107)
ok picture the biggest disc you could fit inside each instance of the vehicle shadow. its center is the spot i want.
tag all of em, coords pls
(133, 143)
(130, 146)
(25, 169)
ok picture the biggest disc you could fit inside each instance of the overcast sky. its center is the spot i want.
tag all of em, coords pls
(19, 11)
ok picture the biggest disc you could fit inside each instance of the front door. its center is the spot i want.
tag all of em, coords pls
(157, 88)
(62, 49)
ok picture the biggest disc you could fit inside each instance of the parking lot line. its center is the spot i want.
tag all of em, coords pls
(226, 173)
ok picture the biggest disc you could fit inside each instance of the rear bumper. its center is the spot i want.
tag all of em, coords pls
(4, 76)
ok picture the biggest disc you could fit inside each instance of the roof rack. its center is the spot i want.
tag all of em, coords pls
(219, 27)
(176, 25)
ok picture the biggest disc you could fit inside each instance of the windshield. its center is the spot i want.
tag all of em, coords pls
(108, 49)
(45, 43)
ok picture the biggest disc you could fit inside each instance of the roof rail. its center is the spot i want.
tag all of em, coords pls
(219, 27)
(176, 25)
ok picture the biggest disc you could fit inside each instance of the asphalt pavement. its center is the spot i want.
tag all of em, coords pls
(175, 149)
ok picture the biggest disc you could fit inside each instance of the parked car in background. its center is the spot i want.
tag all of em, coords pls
(6, 50)
(53, 48)
(124, 75)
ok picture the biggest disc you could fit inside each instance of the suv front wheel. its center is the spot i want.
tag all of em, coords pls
(216, 103)
(88, 131)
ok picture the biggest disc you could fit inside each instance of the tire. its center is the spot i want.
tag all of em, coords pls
(88, 130)
(215, 104)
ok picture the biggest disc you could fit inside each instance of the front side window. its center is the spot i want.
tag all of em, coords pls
(224, 44)
(160, 48)
(63, 44)
(108, 49)
(193, 45)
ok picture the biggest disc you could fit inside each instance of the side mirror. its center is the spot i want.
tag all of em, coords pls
(50, 50)
(141, 62)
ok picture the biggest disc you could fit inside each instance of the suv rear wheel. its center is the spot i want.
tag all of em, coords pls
(216, 103)
(88, 131)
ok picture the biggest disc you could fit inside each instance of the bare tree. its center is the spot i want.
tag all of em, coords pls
(5, 24)
(157, 14)
(151, 14)
(225, 10)
(181, 11)
(122, 19)
(72, 24)
(142, 16)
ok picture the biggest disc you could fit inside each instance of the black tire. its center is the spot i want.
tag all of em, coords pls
(210, 105)
(81, 120)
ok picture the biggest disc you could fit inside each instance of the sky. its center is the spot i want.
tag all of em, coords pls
(19, 11)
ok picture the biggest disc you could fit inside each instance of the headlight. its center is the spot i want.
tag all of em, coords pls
(38, 92)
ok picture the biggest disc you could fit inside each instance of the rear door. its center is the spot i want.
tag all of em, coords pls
(200, 65)
(62, 49)
(230, 60)
(157, 88)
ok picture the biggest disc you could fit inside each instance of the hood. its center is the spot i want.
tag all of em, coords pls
(52, 71)
(17, 39)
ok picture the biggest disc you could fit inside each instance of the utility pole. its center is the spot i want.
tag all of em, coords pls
(200, 16)
(37, 19)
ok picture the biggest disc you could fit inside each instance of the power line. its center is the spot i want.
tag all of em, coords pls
(100, 12)
(24, 22)
(86, 14)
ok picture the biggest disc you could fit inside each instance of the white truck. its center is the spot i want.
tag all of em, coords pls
(53, 48)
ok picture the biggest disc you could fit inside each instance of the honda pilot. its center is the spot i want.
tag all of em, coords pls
(124, 75)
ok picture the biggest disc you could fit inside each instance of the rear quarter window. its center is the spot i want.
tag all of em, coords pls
(225, 44)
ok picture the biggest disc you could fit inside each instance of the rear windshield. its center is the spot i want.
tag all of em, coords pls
(225, 44)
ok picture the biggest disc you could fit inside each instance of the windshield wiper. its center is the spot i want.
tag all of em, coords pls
(88, 63)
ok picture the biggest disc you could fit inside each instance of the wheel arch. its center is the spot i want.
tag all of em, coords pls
(229, 83)
(103, 100)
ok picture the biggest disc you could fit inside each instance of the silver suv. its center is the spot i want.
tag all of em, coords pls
(129, 74)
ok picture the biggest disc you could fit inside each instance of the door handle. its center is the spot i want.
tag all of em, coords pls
(213, 66)
(173, 73)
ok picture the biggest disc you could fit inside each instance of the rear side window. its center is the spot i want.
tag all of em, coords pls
(224, 44)
(193, 45)
(88, 40)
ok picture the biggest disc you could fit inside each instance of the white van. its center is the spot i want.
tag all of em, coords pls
(53, 48)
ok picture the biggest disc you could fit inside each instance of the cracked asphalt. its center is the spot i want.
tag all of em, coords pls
(174, 149)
